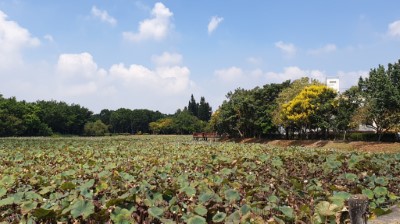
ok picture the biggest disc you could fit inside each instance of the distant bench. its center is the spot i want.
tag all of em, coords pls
(205, 136)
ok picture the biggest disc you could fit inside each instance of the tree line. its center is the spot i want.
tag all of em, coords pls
(302, 108)
(306, 108)
(45, 118)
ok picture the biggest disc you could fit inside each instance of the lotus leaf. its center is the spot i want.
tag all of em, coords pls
(121, 216)
(232, 195)
(219, 217)
(287, 211)
(6, 201)
(82, 208)
(196, 220)
(156, 212)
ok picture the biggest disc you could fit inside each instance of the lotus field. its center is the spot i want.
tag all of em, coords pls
(172, 179)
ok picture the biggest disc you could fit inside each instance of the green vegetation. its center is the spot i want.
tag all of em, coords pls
(45, 118)
(306, 109)
(171, 179)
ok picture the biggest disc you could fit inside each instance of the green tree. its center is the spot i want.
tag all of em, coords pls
(63, 118)
(97, 128)
(348, 104)
(204, 110)
(162, 126)
(193, 107)
(381, 92)
(285, 96)
(186, 123)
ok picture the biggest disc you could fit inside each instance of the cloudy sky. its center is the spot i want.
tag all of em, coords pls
(155, 54)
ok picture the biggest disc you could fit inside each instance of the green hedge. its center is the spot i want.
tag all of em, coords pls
(357, 136)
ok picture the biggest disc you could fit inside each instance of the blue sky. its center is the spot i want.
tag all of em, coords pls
(155, 54)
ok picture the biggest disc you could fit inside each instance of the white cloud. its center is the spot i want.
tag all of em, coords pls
(292, 73)
(287, 48)
(167, 80)
(394, 29)
(81, 70)
(167, 59)
(230, 74)
(213, 24)
(156, 28)
(329, 48)
(103, 16)
(48, 37)
(13, 38)
(78, 65)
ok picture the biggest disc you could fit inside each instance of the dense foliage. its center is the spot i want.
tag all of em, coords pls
(175, 180)
(305, 108)
(19, 118)
(381, 91)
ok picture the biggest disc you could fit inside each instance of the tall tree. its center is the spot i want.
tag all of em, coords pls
(193, 106)
(381, 91)
(348, 104)
(204, 110)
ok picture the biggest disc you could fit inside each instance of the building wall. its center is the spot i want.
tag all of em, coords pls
(333, 83)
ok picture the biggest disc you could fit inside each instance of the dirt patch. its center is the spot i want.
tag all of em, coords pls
(325, 144)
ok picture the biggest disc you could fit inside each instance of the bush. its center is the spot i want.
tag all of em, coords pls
(362, 136)
(97, 128)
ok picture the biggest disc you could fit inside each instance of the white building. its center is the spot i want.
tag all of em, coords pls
(333, 83)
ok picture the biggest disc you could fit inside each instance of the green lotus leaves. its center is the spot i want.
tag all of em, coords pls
(351, 177)
(189, 191)
(287, 211)
(339, 198)
(67, 186)
(28, 206)
(370, 194)
(219, 217)
(3, 192)
(171, 179)
(7, 181)
(82, 208)
(201, 210)
(380, 191)
(381, 181)
(6, 201)
(121, 216)
(196, 220)
(232, 195)
(156, 212)
(325, 208)
(206, 196)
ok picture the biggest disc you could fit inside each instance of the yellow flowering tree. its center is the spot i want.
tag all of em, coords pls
(311, 110)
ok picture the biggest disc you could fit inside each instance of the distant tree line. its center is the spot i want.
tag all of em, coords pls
(44, 118)
(305, 108)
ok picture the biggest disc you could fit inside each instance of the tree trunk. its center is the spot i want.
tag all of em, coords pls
(358, 205)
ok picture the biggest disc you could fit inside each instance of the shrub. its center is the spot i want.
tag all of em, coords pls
(97, 128)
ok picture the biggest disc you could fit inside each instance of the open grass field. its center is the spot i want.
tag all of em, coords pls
(172, 179)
